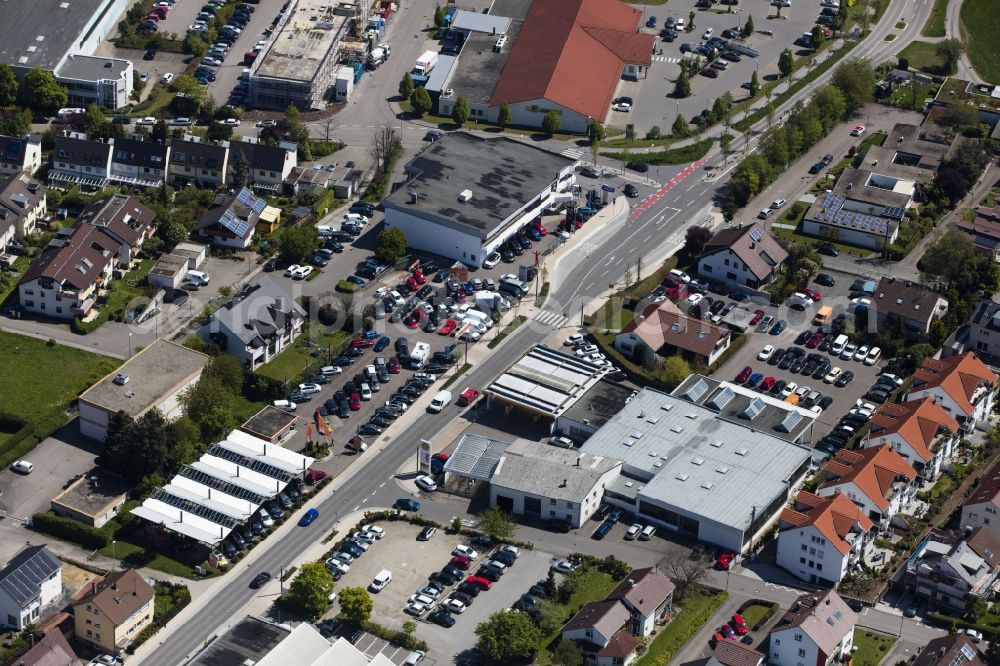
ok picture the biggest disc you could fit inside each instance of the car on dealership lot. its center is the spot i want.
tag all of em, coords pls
(825, 280)
(744, 375)
(407, 504)
(858, 130)
(765, 353)
(465, 551)
(426, 483)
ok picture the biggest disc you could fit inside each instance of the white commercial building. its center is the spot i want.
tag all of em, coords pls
(465, 195)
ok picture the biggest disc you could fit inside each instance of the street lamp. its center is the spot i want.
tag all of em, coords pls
(114, 555)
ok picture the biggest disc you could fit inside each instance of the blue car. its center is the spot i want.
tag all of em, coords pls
(534, 234)
(779, 326)
(469, 288)
(356, 280)
(407, 505)
(308, 517)
(755, 379)
(382, 343)
(441, 275)
(370, 335)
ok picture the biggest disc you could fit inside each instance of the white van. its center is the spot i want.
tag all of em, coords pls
(382, 578)
(439, 402)
(325, 230)
(481, 317)
(355, 218)
(203, 278)
(838, 345)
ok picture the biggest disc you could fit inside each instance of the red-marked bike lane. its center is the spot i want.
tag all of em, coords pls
(660, 193)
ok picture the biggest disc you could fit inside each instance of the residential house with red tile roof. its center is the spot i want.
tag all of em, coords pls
(742, 256)
(817, 629)
(982, 508)
(950, 650)
(821, 538)
(647, 594)
(953, 569)
(661, 330)
(962, 385)
(52, 650)
(569, 57)
(918, 430)
(114, 610)
(731, 652)
(876, 479)
(600, 628)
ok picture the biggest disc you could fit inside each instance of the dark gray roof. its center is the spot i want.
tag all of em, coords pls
(255, 314)
(197, 154)
(23, 576)
(248, 641)
(19, 195)
(81, 151)
(40, 35)
(92, 68)
(502, 175)
(12, 148)
(602, 401)
(139, 153)
(258, 155)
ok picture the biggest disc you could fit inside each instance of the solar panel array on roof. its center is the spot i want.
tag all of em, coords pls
(248, 199)
(755, 235)
(216, 483)
(893, 211)
(194, 508)
(230, 221)
(249, 463)
(832, 212)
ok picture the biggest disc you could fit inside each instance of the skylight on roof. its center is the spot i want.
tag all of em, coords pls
(698, 460)
(717, 443)
(707, 485)
(635, 434)
(666, 407)
(677, 429)
(652, 419)
(691, 415)
(741, 451)
(681, 476)
(722, 469)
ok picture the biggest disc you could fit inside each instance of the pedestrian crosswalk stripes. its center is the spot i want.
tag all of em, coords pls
(553, 319)
(573, 153)
(665, 59)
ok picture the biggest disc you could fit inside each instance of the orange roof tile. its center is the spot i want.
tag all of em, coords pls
(872, 470)
(572, 53)
(918, 422)
(958, 376)
(835, 517)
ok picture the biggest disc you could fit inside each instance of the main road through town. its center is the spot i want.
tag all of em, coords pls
(595, 263)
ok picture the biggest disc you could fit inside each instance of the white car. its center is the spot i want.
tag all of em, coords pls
(465, 551)
(513, 550)
(232, 122)
(624, 107)
(633, 532)
(420, 598)
(198, 27)
(415, 609)
(708, 33)
(679, 24)
(695, 299)
(573, 340)
(333, 564)
(148, 120)
(144, 76)
(331, 370)
(291, 270)
(429, 591)
(346, 558)
(303, 273)
(269, 122)
(265, 518)
(973, 635)
(22, 467)
(492, 260)
(778, 203)
(287, 405)
(680, 275)
(167, 78)
(831, 376)
(789, 389)
(211, 62)
(860, 303)
(895, 379)
(367, 537)
(454, 606)
(397, 299)
(309, 389)
(374, 530)
(862, 353)
(803, 391)
(426, 483)
(765, 353)
(563, 567)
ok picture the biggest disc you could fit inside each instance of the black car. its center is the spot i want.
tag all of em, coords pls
(369, 430)
(776, 357)
(436, 368)
(442, 618)
(489, 573)
(825, 401)
(352, 549)
(803, 337)
(149, 54)
(557, 525)
(630, 190)
(380, 421)
(505, 557)
(466, 599)
(827, 249)
(299, 398)
(121, 120)
(825, 344)
(641, 167)
(471, 589)
(344, 409)
(353, 352)
(816, 168)
(844, 379)
(825, 280)
(453, 571)
(343, 361)
(442, 578)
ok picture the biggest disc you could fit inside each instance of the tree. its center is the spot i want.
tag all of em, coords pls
(136, 448)
(311, 588)
(460, 112)
(549, 615)
(695, 239)
(550, 123)
(951, 51)
(14, 121)
(786, 62)
(682, 88)
(683, 571)
(754, 84)
(220, 132)
(550, 585)
(504, 117)
(296, 243)
(567, 653)
(817, 36)
(497, 524)
(41, 91)
(507, 637)
(8, 85)
(748, 27)
(673, 371)
(420, 101)
(680, 128)
(390, 245)
(195, 45)
(595, 131)
(439, 16)
(355, 604)
(406, 86)
(212, 406)
(385, 146)
(856, 80)
(993, 653)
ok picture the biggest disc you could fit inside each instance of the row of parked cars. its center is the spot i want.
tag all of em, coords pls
(352, 548)
(243, 535)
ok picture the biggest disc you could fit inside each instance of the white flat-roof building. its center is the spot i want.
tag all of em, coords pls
(689, 469)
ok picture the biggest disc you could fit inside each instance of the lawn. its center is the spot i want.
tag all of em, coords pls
(128, 288)
(28, 367)
(912, 95)
(872, 647)
(806, 239)
(290, 363)
(923, 56)
(755, 613)
(935, 22)
(981, 23)
(446, 123)
(126, 551)
(594, 586)
(695, 610)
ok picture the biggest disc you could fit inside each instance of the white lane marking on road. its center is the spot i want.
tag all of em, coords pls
(381, 484)
(619, 261)
(647, 238)
(610, 259)
(693, 185)
(605, 272)
(357, 507)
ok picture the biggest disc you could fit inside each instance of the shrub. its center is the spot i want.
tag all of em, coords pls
(71, 530)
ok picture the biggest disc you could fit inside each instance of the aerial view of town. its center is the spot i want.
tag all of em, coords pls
(500, 332)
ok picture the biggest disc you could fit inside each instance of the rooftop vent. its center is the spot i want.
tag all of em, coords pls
(677, 429)
(741, 451)
(666, 408)
(465, 195)
(717, 443)
(707, 485)
(899, 301)
(698, 460)
(722, 469)
(681, 476)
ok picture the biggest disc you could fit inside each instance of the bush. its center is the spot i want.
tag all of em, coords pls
(348, 287)
(71, 530)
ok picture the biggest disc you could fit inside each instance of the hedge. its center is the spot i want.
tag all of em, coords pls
(28, 436)
(682, 155)
(348, 287)
(401, 638)
(71, 530)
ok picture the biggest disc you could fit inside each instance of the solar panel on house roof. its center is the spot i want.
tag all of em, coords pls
(755, 235)
(234, 224)
(892, 211)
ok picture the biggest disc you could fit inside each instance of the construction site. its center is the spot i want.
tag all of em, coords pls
(317, 53)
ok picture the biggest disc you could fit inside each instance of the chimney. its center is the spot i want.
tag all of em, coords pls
(563, 483)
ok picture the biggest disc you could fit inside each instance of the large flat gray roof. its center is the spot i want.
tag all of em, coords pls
(40, 33)
(479, 67)
(602, 401)
(93, 68)
(545, 381)
(153, 373)
(248, 641)
(692, 459)
(475, 456)
(502, 175)
(310, 31)
(550, 471)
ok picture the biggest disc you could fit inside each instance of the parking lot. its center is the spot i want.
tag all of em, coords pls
(653, 103)
(411, 563)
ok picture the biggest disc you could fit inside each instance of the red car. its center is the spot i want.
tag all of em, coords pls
(725, 561)
(460, 296)
(314, 476)
(757, 316)
(481, 582)
(362, 343)
(411, 284)
(393, 366)
(816, 338)
(727, 631)
(355, 403)
(468, 397)
(461, 561)
(412, 320)
(448, 327)
(740, 625)
(767, 383)
(418, 275)
(814, 295)
(744, 375)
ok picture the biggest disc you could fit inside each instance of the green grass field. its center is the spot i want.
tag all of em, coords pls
(290, 363)
(697, 606)
(935, 22)
(594, 585)
(29, 367)
(923, 56)
(981, 25)
(872, 647)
